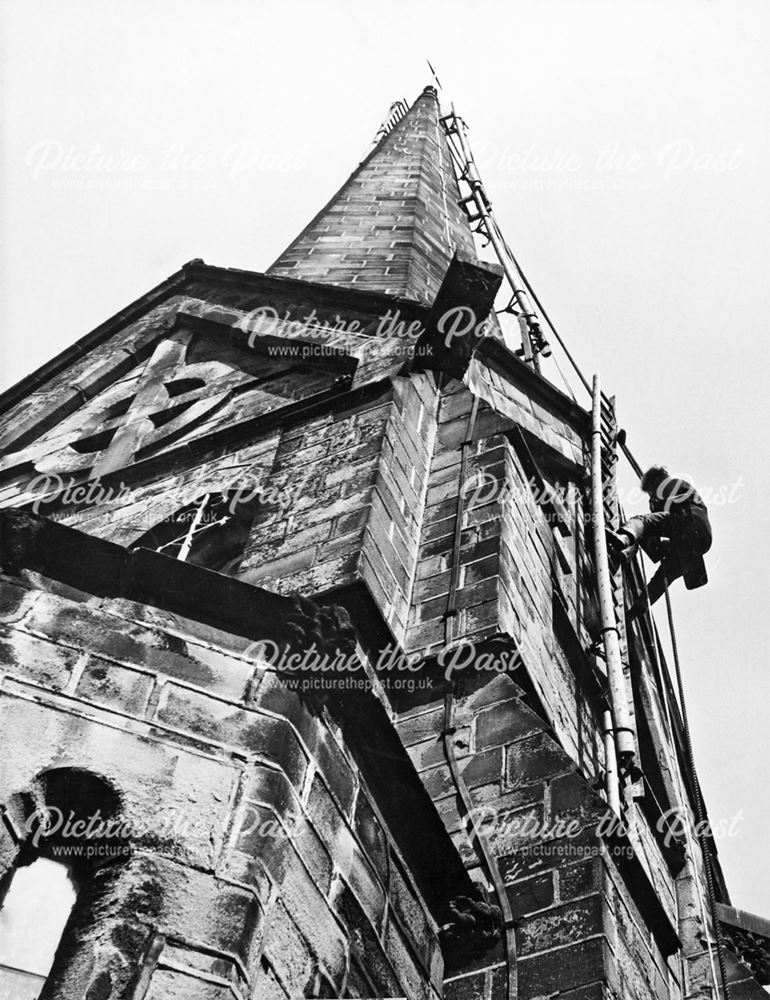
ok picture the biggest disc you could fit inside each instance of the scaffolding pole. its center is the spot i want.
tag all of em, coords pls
(624, 734)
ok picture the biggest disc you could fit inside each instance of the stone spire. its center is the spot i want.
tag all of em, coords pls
(395, 223)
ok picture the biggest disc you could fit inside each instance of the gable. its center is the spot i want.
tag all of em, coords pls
(192, 382)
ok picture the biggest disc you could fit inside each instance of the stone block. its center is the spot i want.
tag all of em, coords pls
(177, 799)
(499, 688)
(371, 834)
(113, 686)
(473, 987)
(172, 984)
(313, 852)
(410, 910)
(37, 660)
(14, 601)
(562, 969)
(531, 894)
(415, 728)
(200, 715)
(572, 799)
(267, 987)
(195, 908)
(288, 952)
(506, 722)
(561, 925)
(535, 758)
(338, 772)
(580, 879)
(366, 943)
(479, 769)
(415, 978)
(310, 911)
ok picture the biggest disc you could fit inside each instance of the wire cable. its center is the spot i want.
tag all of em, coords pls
(698, 803)
(677, 775)
(697, 799)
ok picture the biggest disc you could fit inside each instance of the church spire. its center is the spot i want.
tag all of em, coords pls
(395, 224)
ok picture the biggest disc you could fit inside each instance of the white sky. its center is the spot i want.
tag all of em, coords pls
(232, 122)
(33, 916)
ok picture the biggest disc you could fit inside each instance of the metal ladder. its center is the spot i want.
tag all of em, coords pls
(396, 112)
(478, 209)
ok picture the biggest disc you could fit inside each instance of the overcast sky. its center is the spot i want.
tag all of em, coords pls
(625, 148)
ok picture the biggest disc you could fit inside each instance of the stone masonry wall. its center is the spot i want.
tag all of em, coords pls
(578, 932)
(508, 568)
(285, 882)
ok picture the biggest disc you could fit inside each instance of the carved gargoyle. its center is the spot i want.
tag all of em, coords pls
(475, 925)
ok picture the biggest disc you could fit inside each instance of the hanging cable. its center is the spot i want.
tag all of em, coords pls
(550, 324)
(677, 775)
(534, 342)
(533, 345)
(698, 803)
(466, 168)
(560, 341)
(565, 380)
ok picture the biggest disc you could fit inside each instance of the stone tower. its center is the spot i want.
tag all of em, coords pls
(299, 674)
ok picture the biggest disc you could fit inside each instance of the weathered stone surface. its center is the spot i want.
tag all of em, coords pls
(389, 227)
(165, 788)
(172, 985)
(46, 663)
(561, 925)
(106, 683)
(557, 971)
(531, 894)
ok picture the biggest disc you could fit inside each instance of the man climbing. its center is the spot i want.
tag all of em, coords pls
(676, 533)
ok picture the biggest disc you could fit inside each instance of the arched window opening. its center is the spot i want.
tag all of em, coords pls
(35, 911)
(211, 532)
(67, 826)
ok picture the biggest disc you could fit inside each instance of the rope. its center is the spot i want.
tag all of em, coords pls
(565, 380)
(676, 772)
(547, 318)
(462, 169)
(533, 295)
(698, 803)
